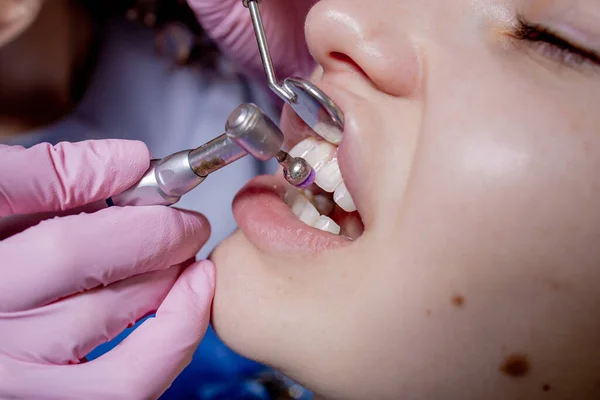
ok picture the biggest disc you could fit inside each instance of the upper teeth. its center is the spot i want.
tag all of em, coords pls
(343, 199)
(322, 156)
(332, 135)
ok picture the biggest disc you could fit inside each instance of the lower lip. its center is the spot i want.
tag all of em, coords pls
(268, 222)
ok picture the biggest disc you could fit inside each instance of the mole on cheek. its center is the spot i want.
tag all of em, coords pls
(516, 366)
(458, 300)
(546, 388)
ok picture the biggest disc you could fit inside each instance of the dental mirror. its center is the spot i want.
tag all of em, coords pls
(311, 104)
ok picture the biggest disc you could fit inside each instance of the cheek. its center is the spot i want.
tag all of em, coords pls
(506, 180)
(377, 156)
(397, 149)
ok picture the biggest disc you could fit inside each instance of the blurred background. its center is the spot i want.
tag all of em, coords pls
(73, 70)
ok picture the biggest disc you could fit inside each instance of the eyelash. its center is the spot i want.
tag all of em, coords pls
(553, 46)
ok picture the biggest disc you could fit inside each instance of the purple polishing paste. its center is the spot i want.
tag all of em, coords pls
(309, 181)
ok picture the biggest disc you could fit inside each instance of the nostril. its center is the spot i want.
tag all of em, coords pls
(347, 61)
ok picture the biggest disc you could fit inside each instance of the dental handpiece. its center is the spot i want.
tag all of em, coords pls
(247, 131)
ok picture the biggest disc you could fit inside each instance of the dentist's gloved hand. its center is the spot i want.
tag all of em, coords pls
(228, 23)
(72, 282)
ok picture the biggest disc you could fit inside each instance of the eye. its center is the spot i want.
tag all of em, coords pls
(553, 46)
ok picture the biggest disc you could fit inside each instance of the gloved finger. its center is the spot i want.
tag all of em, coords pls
(228, 23)
(74, 326)
(180, 324)
(81, 252)
(144, 365)
(13, 224)
(47, 178)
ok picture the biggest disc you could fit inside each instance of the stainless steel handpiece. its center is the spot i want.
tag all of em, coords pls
(247, 131)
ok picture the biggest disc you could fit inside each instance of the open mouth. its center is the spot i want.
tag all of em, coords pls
(276, 216)
(327, 205)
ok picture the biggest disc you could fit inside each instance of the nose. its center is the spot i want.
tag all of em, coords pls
(349, 34)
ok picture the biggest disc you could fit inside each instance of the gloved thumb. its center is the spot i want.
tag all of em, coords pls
(146, 363)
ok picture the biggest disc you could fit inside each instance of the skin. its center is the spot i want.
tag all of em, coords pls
(478, 156)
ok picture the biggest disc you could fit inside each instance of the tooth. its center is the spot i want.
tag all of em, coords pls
(322, 153)
(323, 203)
(304, 210)
(302, 148)
(308, 194)
(315, 152)
(290, 196)
(342, 198)
(326, 224)
(329, 176)
(321, 156)
(329, 133)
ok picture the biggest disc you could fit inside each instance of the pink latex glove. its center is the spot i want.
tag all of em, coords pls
(228, 24)
(72, 282)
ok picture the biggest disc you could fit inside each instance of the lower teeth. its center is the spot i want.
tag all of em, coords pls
(313, 210)
(321, 202)
(330, 194)
(326, 224)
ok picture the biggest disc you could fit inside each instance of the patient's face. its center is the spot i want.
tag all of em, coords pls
(472, 154)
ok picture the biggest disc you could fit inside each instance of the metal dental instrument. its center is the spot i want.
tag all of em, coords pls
(311, 104)
(247, 119)
(247, 131)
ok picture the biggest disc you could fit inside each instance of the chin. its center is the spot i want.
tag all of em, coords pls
(237, 295)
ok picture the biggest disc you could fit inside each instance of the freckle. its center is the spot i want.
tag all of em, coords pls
(546, 387)
(428, 312)
(516, 366)
(554, 285)
(458, 301)
(574, 124)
